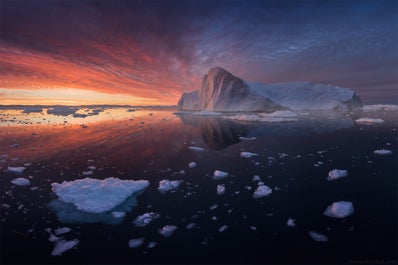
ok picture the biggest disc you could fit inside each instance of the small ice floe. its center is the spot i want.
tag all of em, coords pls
(253, 228)
(214, 218)
(290, 222)
(16, 170)
(382, 152)
(192, 164)
(318, 237)
(247, 138)
(336, 174)
(168, 185)
(118, 214)
(97, 196)
(63, 245)
(256, 178)
(62, 230)
(247, 154)
(262, 191)
(207, 113)
(195, 148)
(190, 226)
(145, 219)
(222, 228)
(369, 121)
(339, 209)
(87, 173)
(220, 189)
(21, 182)
(215, 206)
(167, 230)
(152, 244)
(218, 174)
(136, 242)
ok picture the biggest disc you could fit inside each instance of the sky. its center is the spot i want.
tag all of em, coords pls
(149, 52)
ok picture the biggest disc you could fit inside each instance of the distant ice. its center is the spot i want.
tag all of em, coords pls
(247, 138)
(290, 222)
(339, 209)
(247, 154)
(207, 113)
(192, 164)
(195, 148)
(145, 219)
(21, 182)
(62, 110)
(61, 231)
(118, 214)
(16, 170)
(258, 118)
(382, 152)
(262, 191)
(136, 242)
(369, 121)
(218, 174)
(369, 108)
(32, 109)
(318, 237)
(97, 196)
(220, 189)
(223, 228)
(279, 114)
(336, 174)
(167, 230)
(168, 185)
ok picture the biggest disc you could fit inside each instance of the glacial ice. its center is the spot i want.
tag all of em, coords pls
(168, 185)
(21, 182)
(61, 231)
(167, 230)
(339, 209)
(318, 237)
(218, 174)
(97, 196)
(336, 174)
(262, 191)
(145, 219)
(207, 113)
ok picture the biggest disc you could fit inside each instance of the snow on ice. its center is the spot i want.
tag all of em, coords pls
(136, 242)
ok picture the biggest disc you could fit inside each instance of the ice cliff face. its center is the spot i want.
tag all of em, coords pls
(222, 91)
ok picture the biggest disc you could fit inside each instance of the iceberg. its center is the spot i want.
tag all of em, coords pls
(168, 185)
(262, 191)
(145, 219)
(339, 209)
(32, 109)
(336, 174)
(318, 237)
(21, 182)
(167, 230)
(97, 196)
(218, 174)
(382, 152)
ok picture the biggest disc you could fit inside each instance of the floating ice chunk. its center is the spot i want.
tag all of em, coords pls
(339, 209)
(290, 222)
(21, 182)
(97, 196)
(336, 174)
(16, 170)
(63, 245)
(136, 242)
(167, 230)
(247, 138)
(213, 207)
(256, 178)
(220, 189)
(247, 154)
(368, 121)
(152, 244)
(62, 230)
(146, 218)
(118, 214)
(91, 167)
(87, 173)
(192, 164)
(318, 237)
(382, 152)
(262, 191)
(190, 226)
(195, 148)
(222, 228)
(168, 185)
(218, 174)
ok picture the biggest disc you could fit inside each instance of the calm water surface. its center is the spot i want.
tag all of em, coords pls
(293, 159)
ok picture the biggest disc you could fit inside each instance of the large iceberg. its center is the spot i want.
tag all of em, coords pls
(222, 91)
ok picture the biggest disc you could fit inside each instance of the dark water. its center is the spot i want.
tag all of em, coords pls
(153, 145)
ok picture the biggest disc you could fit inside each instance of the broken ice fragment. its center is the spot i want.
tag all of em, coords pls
(247, 138)
(256, 178)
(382, 152)
(339, 209)
(195, 148)
(262, 191)
(16, 170)
(63, 245)
(167, 230)
(218, 174)
(220, 189)
(336, 174)
(21, 182)
(136, 242)
(290, 222)
(62, 230)
(222, 228)
(192, 164)
(146, 218)
(190, 226)
(318, 237)
(168, 185)
(152, 244)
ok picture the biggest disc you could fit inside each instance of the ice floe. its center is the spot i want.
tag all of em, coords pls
(192, 164)
(262, 191)
(223, 228)
(218, 174)
(290, 222)
(336, 174)
(220, 189)
(136, 242)
(318, 237)
(145, 219)
(195, 148)
(369, 121)
(339, 209)
(16, 170)
(168, 185)
(247, 154)
(382, 152)
(167, 230)
(97, 196)
(21, 182)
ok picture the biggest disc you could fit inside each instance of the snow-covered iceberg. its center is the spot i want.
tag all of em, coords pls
(222, 91)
